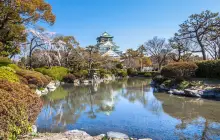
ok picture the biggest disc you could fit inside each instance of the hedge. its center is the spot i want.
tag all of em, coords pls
(19, 108)
(57, 73)
(208, 69)
(179, 70)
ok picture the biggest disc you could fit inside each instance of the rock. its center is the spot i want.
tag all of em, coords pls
(38, 92)
(57, 83)
(62, 83)
(193, 93)
(78, 135)
(145, 139)
(163, 88)
(44, 92)
(117, 135)
(34, 129)
(52, 86)
(170, 92)
(177, 92)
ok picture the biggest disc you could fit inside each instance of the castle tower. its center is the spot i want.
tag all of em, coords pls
(107, 46)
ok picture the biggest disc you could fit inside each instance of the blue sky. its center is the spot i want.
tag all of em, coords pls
(131, 22)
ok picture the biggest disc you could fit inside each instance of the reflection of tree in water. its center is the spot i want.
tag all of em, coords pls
(192, 112)
(76, 100)
(139, 90)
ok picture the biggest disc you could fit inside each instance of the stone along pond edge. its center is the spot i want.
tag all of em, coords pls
(205, 91)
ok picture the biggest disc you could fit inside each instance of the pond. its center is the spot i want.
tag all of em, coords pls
(129, 106)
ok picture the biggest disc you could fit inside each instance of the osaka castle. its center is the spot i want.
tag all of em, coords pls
(107, 47)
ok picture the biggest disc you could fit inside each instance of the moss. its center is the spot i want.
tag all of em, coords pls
(8, 73)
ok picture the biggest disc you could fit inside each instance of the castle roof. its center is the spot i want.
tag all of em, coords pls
(105, 34)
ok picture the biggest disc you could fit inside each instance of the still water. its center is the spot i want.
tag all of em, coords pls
(129, 106)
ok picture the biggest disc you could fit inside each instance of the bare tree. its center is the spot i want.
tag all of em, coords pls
(158, 49)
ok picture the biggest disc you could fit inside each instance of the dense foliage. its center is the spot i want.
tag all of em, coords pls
(57, 73)
(208, 69)
(179, 70)
(19, 108)
(69, 78)
(4, 61)
(33, 79)
(7, 73)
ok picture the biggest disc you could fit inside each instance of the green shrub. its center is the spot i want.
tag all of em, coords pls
(57, 73)
(119, 66)
(103, 72)
(19, 108)
(159, 79)
(147, 74)
(122, 73)
(168, 83)
(208, 69)
(14, 66)
(81, 74)
(4, 61)
(131, 72)
(7, 73)
(69, 78)
(183, 85)
(180, 69)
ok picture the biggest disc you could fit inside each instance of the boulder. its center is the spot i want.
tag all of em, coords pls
(57, 83)
(34, 129)
(45, 91)
(177, 92)
(117, 135)
(76, 82)
(193, 93)
(38, 92)
(52, 86)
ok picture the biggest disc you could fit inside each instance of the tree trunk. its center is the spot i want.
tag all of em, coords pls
(202, 48)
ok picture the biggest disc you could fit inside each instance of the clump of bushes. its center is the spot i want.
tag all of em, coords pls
(8, 73)
(119, 66)
(82, 74)
(122, 73)
(180, 69)
(103, 73)
(19, 108)
(131, 72)
(33, 79)
(57, 73)
(69, 78)
(159, 79)
(208, 69)
(4, 61)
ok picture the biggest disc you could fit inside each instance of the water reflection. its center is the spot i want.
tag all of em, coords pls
(131, 107)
